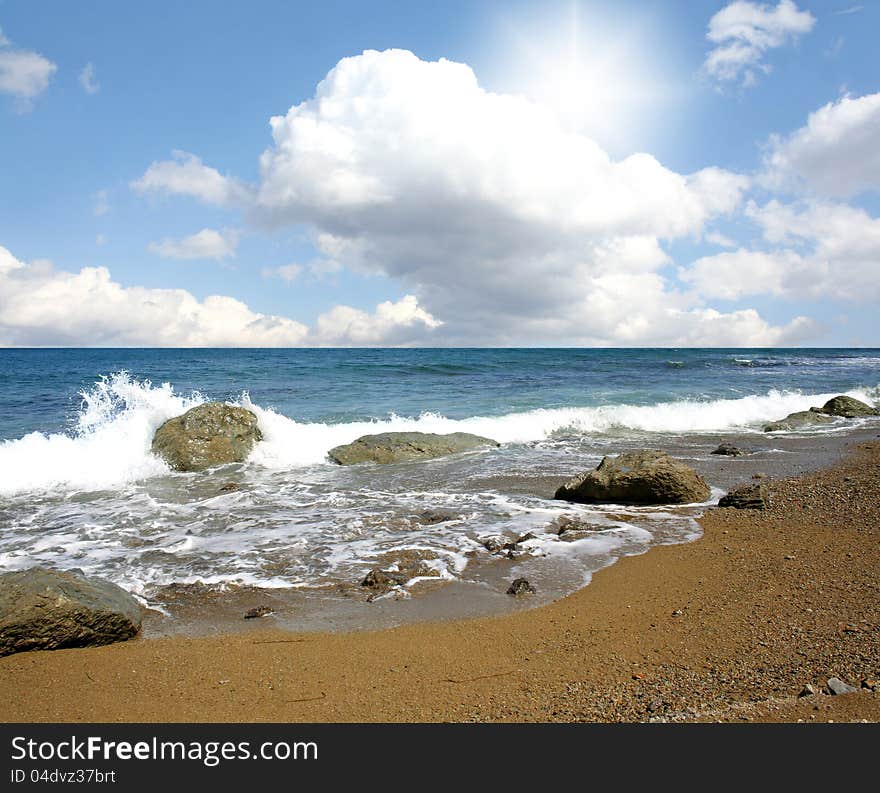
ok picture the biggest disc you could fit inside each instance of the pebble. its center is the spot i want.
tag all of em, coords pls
(808, 690)
(259, 611)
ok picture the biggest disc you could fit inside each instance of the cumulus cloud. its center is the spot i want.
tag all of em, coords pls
(42, 306)
(205, 244)
(744, 31)
(506, 226)
(185, 174)
(391, 324)
(820, 251)
(835, 154)
(23, 74)
(87, 79)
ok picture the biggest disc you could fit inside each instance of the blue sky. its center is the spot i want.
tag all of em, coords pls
(628, 173)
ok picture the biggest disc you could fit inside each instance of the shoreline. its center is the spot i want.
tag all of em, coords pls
(729, 627)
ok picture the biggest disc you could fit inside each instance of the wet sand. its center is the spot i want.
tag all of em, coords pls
(730, 627)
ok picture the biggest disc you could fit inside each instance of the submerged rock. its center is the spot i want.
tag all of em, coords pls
(44, 609)
(398, 568)
(747, 496)
(395, 447)
(520, 587)
(259, 611)
(728, 450)
(847, 407)
(803, 419)
(644, 477)
(207, 435)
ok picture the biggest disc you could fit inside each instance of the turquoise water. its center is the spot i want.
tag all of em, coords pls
(80, 488)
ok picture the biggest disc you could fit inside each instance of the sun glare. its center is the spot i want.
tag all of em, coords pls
(600, 78)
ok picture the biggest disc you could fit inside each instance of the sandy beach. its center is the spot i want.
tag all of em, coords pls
(728, 628)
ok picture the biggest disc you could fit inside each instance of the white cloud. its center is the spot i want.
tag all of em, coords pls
(102, 203)
(834, 154)
(187, 175)
(744, 31)
(205, 244)
(391, 324)
(823, 251)
(41, 306)
(509, 228)
(87, 79)
(286, 272)
(23, 74)
(719, 239)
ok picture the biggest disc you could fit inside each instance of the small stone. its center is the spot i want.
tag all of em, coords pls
(837, 686)
(809, 690)
(790, 557)
(677, 613)
(870, 683)
(654, 705)
(520, 587)
(259, 611)
(230, 487)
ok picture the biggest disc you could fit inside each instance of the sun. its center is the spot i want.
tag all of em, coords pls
(601, 76)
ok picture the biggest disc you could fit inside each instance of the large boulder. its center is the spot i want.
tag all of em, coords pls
(43, 609)
(847, 407)
(207, 435)
(644, 477)
(395, 447)
(802, 420)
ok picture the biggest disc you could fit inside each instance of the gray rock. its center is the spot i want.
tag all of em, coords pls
(520, 587)
(847, 407)
(803, 419)
(837, 686)
(43, 609)
(395, 447)
(728, 450)
(644, 477)
(207, 435)
(747, 496)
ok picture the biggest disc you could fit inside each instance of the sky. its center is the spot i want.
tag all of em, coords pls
(625, 174)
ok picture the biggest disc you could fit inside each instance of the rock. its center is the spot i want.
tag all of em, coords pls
(259, 611)
(801, 420)
(871, 684)
(230, 487)
(397, 568)
(809, 690)
(847, 407)
(837, 686)
(747, 496)
(494, 544)
(429, 517)
(44, 609)
(520, 587)
(728, 450)
(644, 477)
(395, 447)
(207, 435)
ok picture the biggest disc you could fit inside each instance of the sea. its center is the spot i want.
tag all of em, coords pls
(292, 532)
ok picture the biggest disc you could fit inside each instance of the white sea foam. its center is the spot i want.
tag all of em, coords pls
(110, 445)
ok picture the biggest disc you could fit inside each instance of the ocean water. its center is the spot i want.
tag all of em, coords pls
(79, 487)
